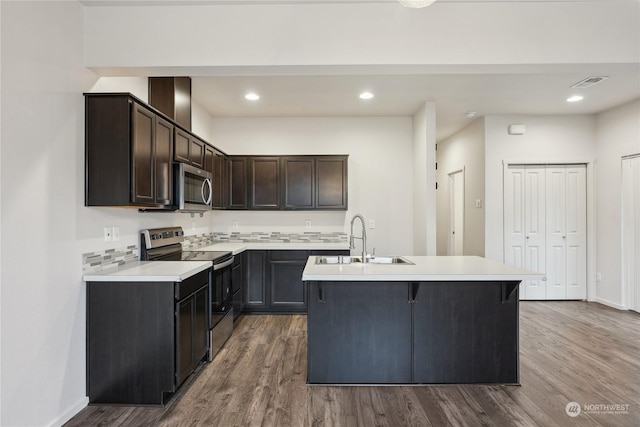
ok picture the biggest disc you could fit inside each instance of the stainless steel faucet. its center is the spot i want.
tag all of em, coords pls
(363, 237)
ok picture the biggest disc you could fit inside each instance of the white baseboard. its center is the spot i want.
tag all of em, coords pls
(610, 304)
(70, 413)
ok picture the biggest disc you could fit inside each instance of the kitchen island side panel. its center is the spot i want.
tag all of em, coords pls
(427, 332)
(359, 333)
(465, 332)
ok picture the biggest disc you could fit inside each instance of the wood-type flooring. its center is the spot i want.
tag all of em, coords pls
(569, 352)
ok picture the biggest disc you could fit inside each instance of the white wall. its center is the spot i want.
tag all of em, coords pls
(464, 150)
(0, 221)
(43, 300)
(380, 173)
(44, 224)
(548, 139)
(617, 135)
(338, 33)
(424, 180)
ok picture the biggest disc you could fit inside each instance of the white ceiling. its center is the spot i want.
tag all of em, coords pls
(534, 90)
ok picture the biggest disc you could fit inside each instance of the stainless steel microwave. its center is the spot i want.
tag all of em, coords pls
(193, 188)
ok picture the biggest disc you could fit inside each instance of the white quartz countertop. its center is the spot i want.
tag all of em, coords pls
(425, 268)
(150, 271)
(237, 248)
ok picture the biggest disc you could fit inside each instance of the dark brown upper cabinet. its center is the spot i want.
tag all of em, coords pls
(331, 182)
(128, 153)
(264, 182)
(214, 163)
(172, 96)
(315, 182)
(188, 149)
(291, 182)
(299, 189)
(238, 184)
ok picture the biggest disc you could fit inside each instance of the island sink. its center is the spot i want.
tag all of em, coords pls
(392, 260)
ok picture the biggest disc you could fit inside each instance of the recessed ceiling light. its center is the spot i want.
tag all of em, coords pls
(366, 95)
(251, 96)
(471, 114)
(575, 98)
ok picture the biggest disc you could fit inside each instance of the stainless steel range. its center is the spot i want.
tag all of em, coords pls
(165, 244)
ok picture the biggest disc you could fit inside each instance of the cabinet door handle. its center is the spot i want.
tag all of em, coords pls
(321, 294)
(413, 292)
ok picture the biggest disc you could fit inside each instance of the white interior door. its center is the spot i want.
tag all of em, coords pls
(631, 231)
(535, 229)
(566, 232)
(576, 232)
(545, 228)
(556, 233)
(524, 222)
(456, 213)
(514, 229)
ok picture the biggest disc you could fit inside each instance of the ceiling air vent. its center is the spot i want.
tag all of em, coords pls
(589, 81)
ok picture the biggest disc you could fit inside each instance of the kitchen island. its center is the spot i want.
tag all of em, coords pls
(431, 320)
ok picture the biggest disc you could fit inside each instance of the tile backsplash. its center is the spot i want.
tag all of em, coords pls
(264, 237)
(93, 262)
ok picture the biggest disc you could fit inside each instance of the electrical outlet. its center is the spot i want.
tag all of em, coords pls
(307, 224)
(372, 223)
(599, 277)
(478, 203)
(107, 234)
(115, 235)
(234, 225)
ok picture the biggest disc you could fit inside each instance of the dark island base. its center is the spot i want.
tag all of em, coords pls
(413, 333)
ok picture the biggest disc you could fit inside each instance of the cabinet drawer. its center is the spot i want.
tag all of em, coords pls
(192, 284)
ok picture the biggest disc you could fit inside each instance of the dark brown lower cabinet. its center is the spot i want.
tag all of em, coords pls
(420, 333)
(286, 288)
(256, 279)
(192, 337)
(274, 280)
(144, 338)
(238, 283)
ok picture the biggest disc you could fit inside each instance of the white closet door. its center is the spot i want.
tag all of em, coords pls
(524, 224)
(535, 229)
(556, 232)
(566, 232)
(576, 232)
(514, 229)
(631, 231)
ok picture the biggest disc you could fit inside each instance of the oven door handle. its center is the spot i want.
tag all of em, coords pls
(222, 265)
